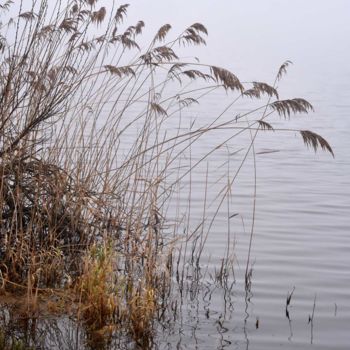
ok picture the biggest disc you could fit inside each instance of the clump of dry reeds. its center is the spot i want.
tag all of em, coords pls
(85, 155)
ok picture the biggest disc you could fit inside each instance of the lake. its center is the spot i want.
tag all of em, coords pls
(302, 224)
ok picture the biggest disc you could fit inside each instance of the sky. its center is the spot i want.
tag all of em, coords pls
(256, 36)
(252, 38)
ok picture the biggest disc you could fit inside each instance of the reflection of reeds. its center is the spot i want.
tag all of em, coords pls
(78, 211)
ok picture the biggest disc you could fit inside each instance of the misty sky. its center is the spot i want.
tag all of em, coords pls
(256, 36)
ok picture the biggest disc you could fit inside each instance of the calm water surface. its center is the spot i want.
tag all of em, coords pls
(302, 228)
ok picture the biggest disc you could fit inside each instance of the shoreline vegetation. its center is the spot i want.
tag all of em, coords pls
(83, 225)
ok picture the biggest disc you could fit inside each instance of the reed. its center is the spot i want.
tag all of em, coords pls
(87, 158)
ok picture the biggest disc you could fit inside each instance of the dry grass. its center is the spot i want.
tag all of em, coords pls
(86, 158)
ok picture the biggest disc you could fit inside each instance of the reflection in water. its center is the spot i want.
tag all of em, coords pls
(288, 301)
(311, 322)
(54, 333)
(209, 316)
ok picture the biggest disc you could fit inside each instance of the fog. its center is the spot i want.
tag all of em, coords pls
(257, 36)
